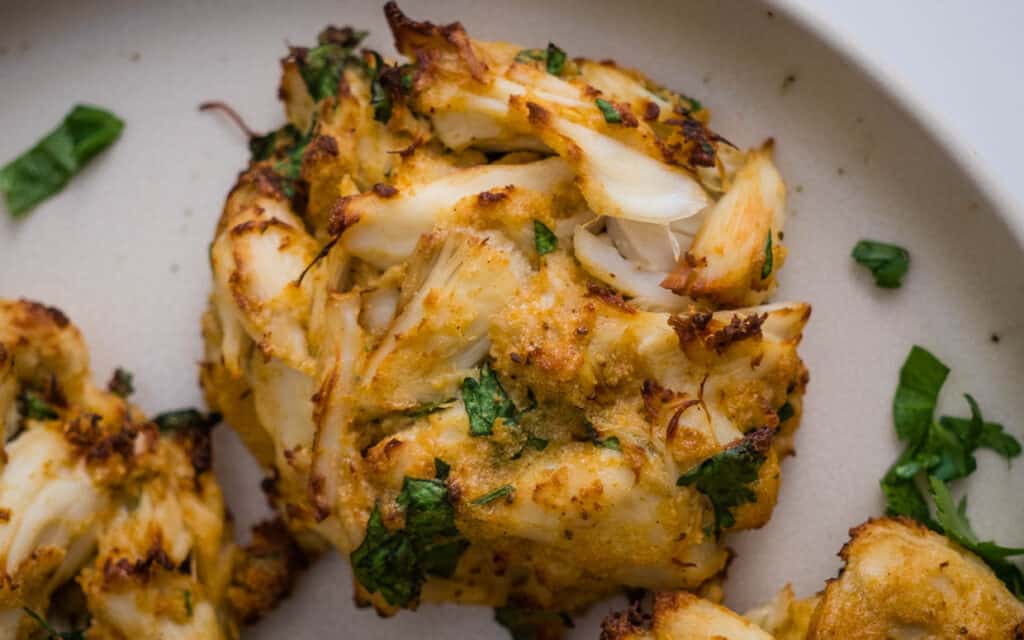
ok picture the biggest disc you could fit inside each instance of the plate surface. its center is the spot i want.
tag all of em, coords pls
(123, 249)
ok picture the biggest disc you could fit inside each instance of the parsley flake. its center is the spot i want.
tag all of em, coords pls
(121, 383)
(46, 168)
(186, 420)
(725, 477)
(532, 624)
(555, 59)
(888, 263)
(33, 406)
(608, 110)
(769, 257)
(395, 563)
(543, 238)
(486, 402)
(501, 492)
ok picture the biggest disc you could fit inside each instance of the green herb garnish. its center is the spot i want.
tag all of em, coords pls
(608, 110)
(51, 633)
(396, 563)
(265, 146)
(500, 492)
(887, 262)
(555, 59)
(786, 412)
(543, 238)
(441, 469)
(725, 477)
(534, 442)
(940, 452)
(428, 408)
(186, 420)
(321, 67)
(486, 401)
(379, 98)
(188, 603)
(121, 383)
(769, 257)
(954, 523)
(44, 169)
(531, 55)
(33, 406)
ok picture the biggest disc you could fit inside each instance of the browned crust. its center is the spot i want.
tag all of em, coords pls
(623, 624)
(385, 190)
(609, 297)
(694, 326)
(141, 569)
(340, 217)
(412, 35)
(265, 572)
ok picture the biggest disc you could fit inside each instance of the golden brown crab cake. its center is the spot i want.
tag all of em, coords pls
(490, 320)
(93, 493)
(903, 580)
(900, 580)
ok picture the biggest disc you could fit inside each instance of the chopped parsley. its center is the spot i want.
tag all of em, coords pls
(725, 477)
(441, 469)
(188, 603)
(888, 263)
(543, 238)
(769, 257)
(534, 442)
(321, 66)
(186, 420)
(954, 523)
(500, 492)
(44, 169)
(51, 633)
(33, 406)
(555, 60)
(594, 436)
(265, 146)
(531, 55)
(486, 402)
(379, 98)
(939, 452)
(786, 412)
(121, 383)
(395, 563)
(608, 110)
(532, 624)
(428, 408)
(290, 167)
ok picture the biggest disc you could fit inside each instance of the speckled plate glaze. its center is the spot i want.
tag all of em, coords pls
(123, 249)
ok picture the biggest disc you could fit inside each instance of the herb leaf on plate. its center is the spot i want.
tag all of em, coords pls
(888, 263)
(44, 169)
(486, 402)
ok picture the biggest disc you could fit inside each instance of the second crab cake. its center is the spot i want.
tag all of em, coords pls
(111, 522)
(483, 317)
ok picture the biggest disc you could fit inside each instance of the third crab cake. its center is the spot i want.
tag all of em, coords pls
(485, 316)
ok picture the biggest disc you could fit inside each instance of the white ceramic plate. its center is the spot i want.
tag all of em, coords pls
(123, 249)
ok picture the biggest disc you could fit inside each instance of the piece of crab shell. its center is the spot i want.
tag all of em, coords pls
(617, 179)
(599, 258)
(385, 228)
(726, 261)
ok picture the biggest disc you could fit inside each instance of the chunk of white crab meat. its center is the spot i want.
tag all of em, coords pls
(441, 333)
(384, 230)
(603, 261)
(652, 247)
(257, 260)
(52, 501)
(728, 254)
